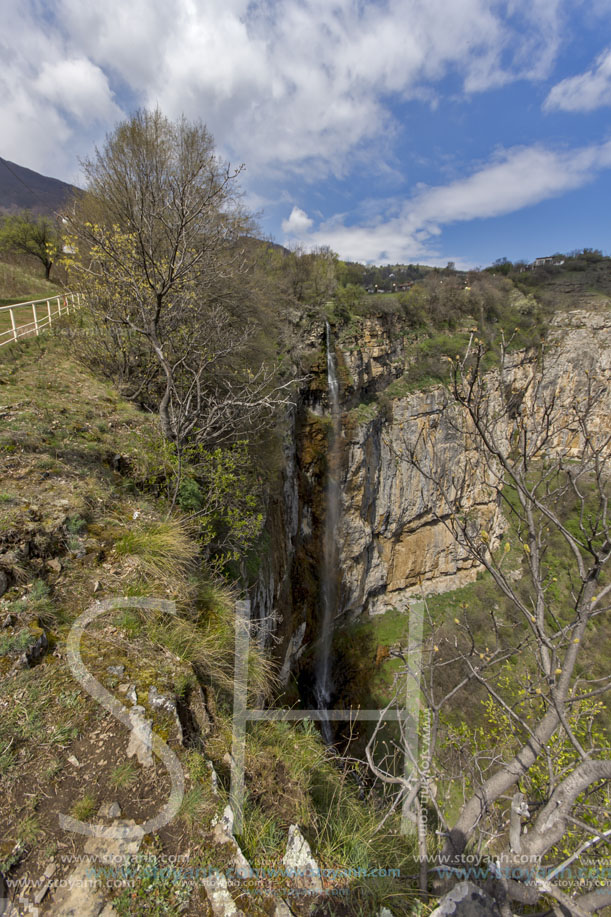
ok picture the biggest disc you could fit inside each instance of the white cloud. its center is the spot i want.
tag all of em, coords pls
(298, 223)
(53, 99)
(586, 91)
(518, 178)
(298, 85)
(77, 87)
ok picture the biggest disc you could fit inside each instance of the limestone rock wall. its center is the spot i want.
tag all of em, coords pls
(391, 540)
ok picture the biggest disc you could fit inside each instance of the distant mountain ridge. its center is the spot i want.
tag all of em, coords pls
(24, 189)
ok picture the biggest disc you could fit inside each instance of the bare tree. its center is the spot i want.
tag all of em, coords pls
(534, 784)
(158, 257)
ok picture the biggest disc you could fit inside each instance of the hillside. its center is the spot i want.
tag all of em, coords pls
(24, 189)
(81, 520)
(21, 282)
(92, 523)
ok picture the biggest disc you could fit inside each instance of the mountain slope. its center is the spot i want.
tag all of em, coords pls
(24, 189)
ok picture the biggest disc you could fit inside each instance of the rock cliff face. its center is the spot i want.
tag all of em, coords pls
(392, 541)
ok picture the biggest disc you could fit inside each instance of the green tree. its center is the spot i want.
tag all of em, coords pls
(350, 273)
(28, 234)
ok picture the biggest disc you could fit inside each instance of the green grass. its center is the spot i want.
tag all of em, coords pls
(85, 807)
(29, 831)
(64, 734)
(165, 548)
(16, 643)
(153, 888)
(36, 608)
(20, 281)
(364, 413)
(206, 638)
(430, 358)
(197, 806)
(124, 775)
(262, 838)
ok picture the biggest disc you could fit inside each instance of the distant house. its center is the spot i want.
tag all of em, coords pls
(549, 259)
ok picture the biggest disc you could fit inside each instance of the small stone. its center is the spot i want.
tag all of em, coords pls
(219, 897)
(110, 810)
(40, 893)
(197, 708)
(130, 692)
(140, 738)
(163, 702)
(36, 651)
(223, 834)
(299, 862)
(50, 871)
(214, 780)
(54, 565)
(74, 761)
(96, 586)
(466, 900)
(160, 701)
(115, 669)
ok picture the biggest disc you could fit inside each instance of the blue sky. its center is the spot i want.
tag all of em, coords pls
(390, 130)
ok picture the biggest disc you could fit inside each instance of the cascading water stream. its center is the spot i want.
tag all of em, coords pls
(329, 576)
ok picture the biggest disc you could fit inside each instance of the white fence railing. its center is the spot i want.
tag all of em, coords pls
(34, 316)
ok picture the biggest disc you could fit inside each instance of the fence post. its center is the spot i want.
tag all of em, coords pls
(21, 328)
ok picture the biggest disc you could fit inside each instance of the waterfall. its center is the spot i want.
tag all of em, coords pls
(329, 573)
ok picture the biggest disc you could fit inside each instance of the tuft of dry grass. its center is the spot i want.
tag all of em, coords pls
(166, 549)
(85, 807)
(206, 639)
